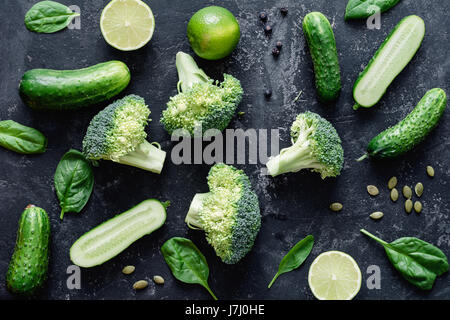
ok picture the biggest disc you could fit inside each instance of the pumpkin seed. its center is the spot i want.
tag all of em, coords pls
(376, 215)
(128, 270)
(392, 183)
(336, 206)
(418, 206)
(407, 192)
(419, 189)
(372, 190)
(408, 205)
(139, 285)
(158, 279)
(430, 171)
(394, 194)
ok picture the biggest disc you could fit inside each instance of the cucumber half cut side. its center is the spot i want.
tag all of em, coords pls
(115, 235)
(389, 60)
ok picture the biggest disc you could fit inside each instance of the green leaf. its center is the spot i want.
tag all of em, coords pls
(186, 262)
(295, 257)
(360, 9)
(74, 181)
(48, 17)
(21, 139)
(419, 262)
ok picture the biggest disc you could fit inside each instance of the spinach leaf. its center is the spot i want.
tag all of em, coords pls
(418, 261)
(48, 17)
(74, 180)
(360, 9)
(295, 257)
(21, 139)
(186, 262)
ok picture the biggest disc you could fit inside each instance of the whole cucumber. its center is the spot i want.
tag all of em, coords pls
(402, 137)
(27, 270)
(73, 89)
(322, 46)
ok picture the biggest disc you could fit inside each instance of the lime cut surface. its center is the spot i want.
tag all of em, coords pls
(127, 24)
(334, 275)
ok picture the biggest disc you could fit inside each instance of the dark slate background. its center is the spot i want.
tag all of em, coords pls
(292, 206)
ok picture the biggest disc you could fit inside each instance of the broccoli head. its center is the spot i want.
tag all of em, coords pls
(117, 133)
(229, 214)
(201, 102)
(315, 145)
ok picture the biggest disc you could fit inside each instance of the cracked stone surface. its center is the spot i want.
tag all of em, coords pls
(292, 206)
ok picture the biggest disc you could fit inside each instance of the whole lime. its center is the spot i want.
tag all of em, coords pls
(213, 32)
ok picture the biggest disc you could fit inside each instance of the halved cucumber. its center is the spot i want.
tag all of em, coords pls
(115, 235)
(389, 60)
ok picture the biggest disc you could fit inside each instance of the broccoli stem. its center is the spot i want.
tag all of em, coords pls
(188, 72)
(193, 219)
(292, 159)
(146, 156)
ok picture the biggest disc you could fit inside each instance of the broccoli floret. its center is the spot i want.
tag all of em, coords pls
(229, 214)
(315, 145)
(201, 102)
(117, 133)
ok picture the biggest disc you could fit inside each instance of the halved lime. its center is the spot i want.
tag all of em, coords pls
(334, 275)
(127, 24)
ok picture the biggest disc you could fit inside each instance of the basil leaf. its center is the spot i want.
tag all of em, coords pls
(186, 262)
(419, 262)
(295, 257)
(21, 139)
(48, 17)
(74, 181)
(360, 9)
